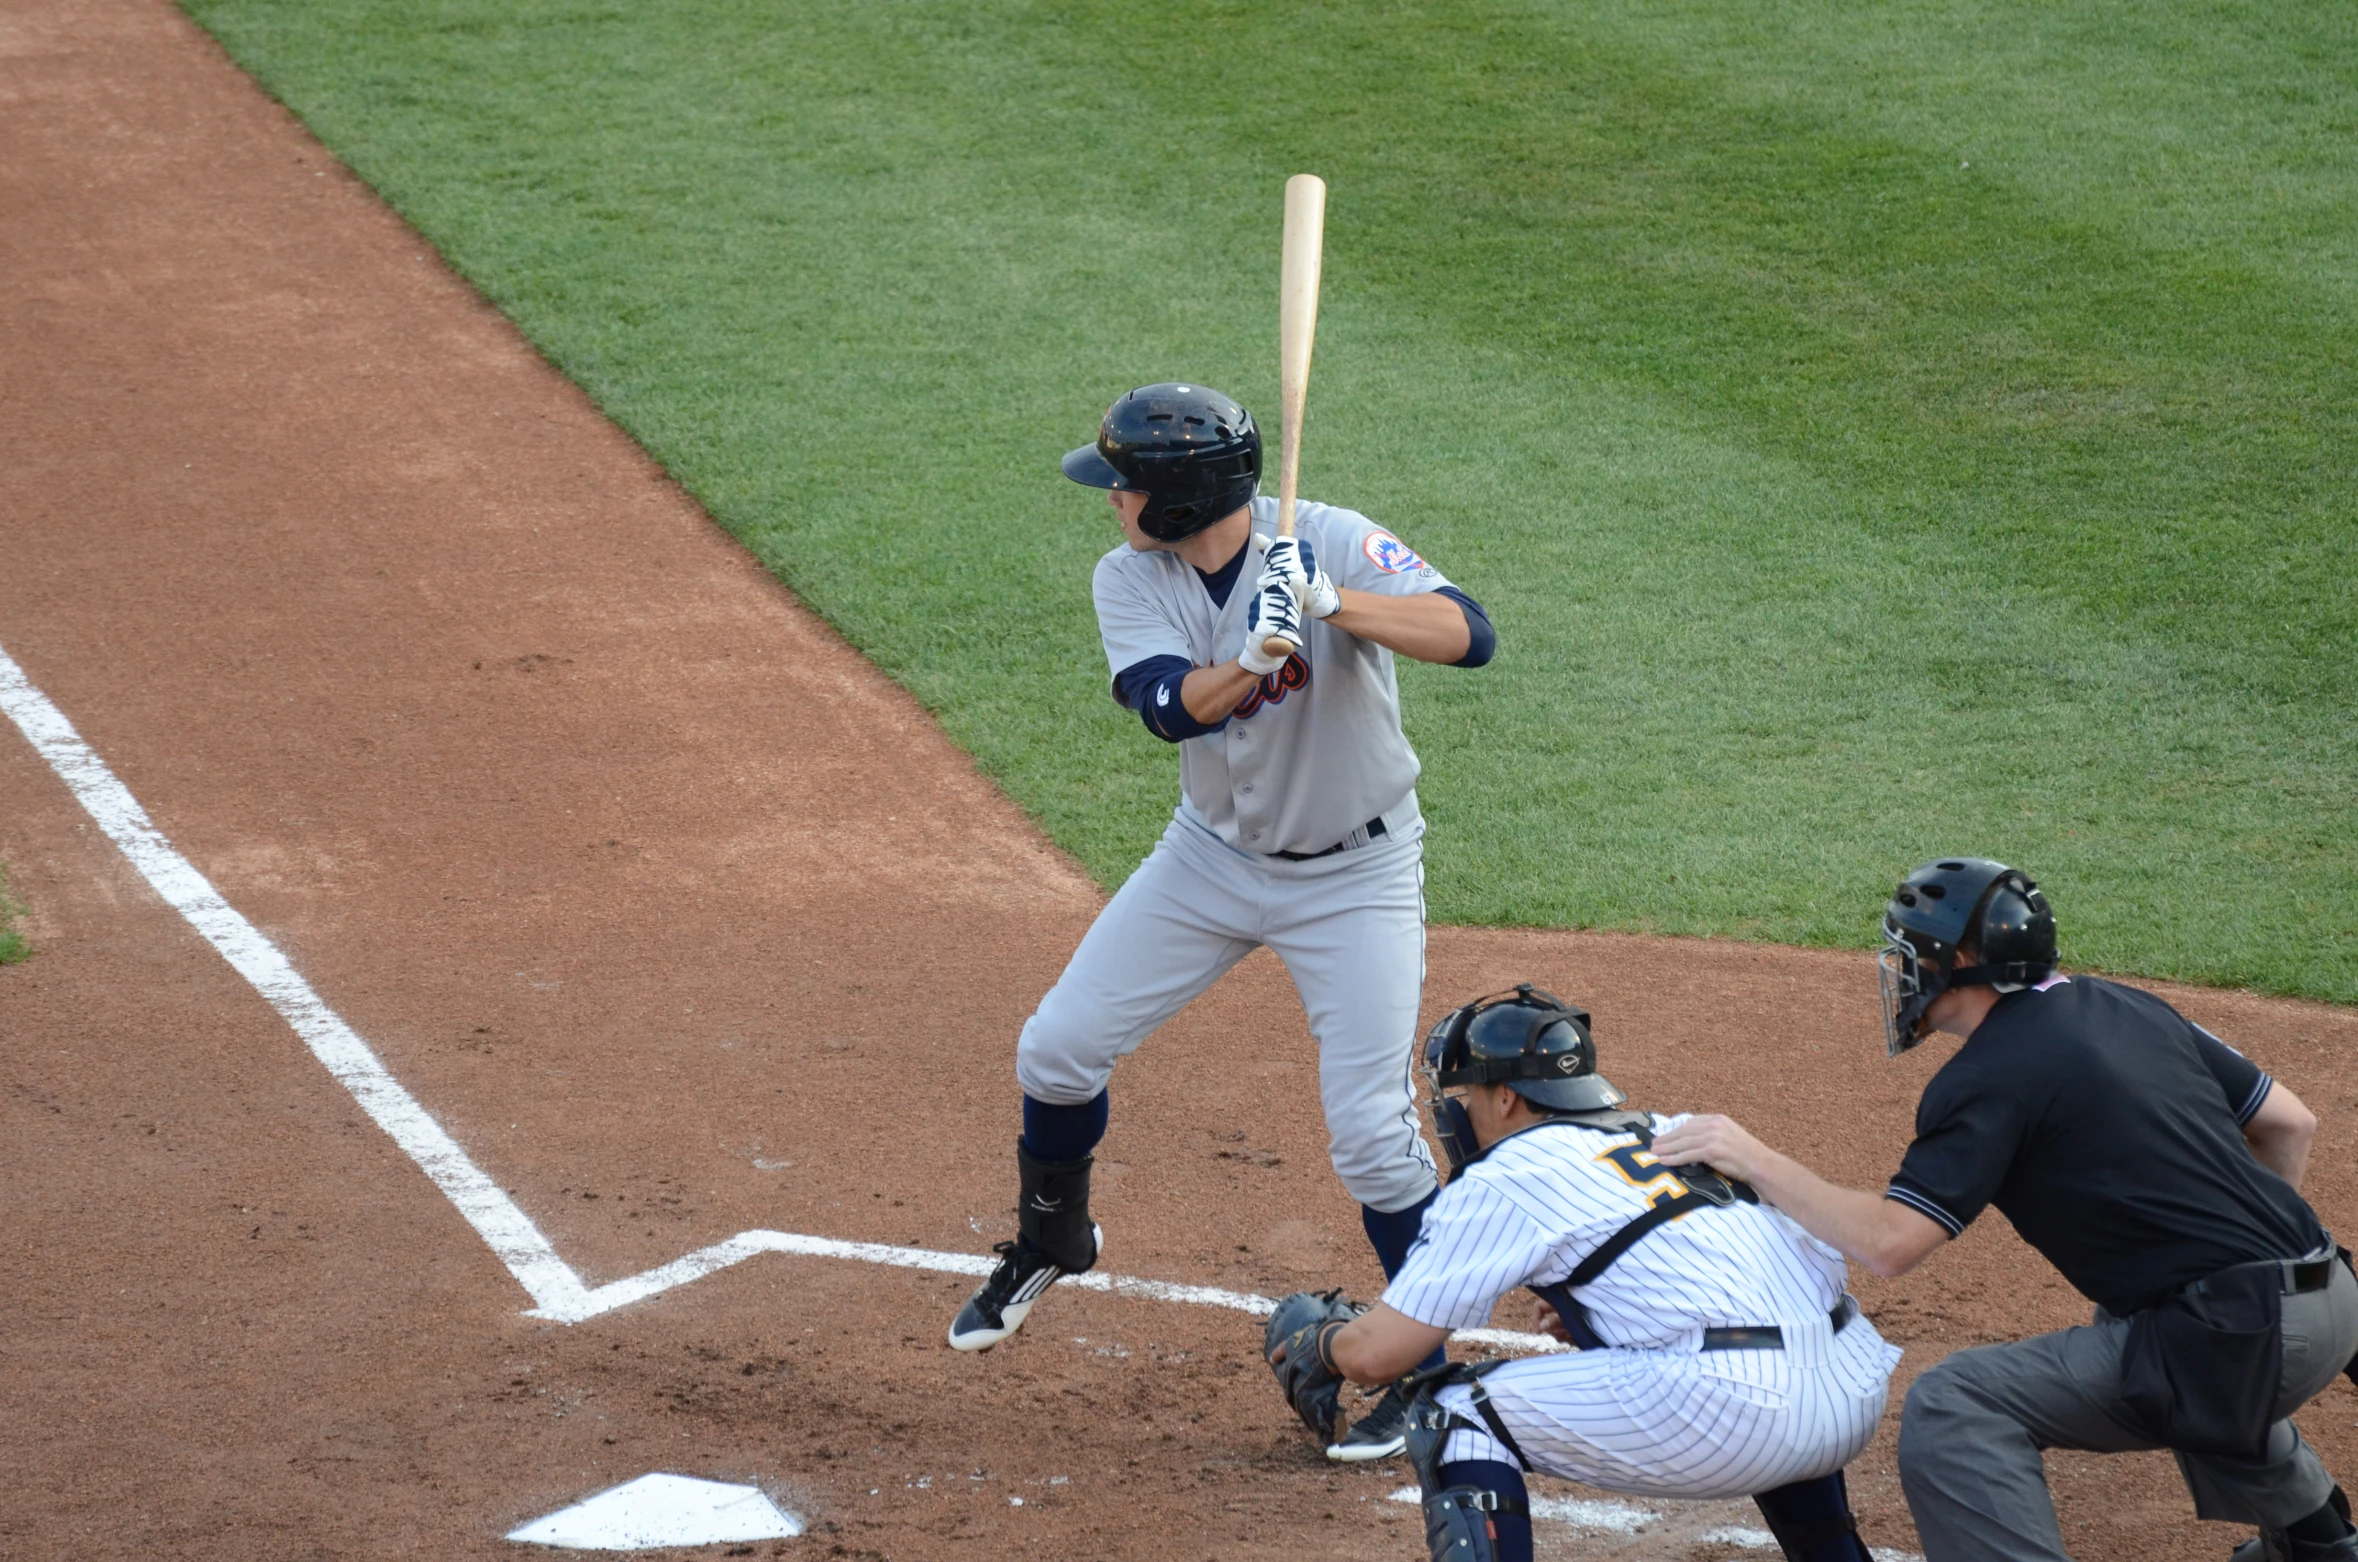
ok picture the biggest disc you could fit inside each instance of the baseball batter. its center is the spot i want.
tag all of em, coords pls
(1297, 825)
(1720, 1355)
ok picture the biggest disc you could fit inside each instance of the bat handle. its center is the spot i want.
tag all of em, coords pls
(1278, 645)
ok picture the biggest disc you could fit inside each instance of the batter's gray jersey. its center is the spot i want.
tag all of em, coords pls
(1316, 751)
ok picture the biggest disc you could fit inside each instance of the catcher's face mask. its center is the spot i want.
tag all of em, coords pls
(1914, 971)
(1452, 1123)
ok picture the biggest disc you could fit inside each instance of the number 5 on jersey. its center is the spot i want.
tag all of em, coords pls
(1641, 1171)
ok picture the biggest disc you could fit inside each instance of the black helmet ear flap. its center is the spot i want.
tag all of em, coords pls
(2014, 930)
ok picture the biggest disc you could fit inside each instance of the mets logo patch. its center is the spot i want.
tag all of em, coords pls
(1389, 554)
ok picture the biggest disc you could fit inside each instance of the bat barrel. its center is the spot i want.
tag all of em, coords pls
(1297, 327)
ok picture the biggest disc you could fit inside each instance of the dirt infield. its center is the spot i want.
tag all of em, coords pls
(684, 921)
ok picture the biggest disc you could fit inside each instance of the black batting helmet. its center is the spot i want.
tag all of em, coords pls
(1193, 452)
(1938, 908)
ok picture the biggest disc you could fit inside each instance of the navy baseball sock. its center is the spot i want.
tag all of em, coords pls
(1063, 1133)
(1811, 1520)
(1512, 1529)
(1392, 1234)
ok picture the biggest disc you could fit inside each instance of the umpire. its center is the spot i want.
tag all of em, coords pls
(2155, 1167)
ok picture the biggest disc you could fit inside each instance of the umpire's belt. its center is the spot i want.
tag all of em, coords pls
(1768, 1336)
(2301, 1275)
(1374, 831)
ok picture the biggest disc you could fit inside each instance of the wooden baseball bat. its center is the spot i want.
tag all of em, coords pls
(1297, 324)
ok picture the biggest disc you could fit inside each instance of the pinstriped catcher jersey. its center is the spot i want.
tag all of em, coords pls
(1540, 1201)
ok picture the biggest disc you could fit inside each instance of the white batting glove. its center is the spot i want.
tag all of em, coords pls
(1272, 615)
(1291, 560)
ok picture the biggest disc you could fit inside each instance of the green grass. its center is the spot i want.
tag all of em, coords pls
(1877, 431)
(12, 941)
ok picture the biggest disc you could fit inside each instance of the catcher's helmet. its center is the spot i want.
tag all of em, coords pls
(1530, 1041)
(1193, 452)
(1936, 909)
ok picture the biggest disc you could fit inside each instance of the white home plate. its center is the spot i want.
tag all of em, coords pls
(662, 1510)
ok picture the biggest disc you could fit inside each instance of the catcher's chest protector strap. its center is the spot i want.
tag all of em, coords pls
(1705, 1188)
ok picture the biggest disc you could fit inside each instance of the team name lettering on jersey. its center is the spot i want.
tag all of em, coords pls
(1274, 687)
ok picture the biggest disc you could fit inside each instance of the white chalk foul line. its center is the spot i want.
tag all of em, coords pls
(557, 1290)
(512, 1235)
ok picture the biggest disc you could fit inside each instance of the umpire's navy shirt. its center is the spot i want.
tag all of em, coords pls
(2109, 1129)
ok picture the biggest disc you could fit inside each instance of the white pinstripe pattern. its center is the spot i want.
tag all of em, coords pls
(1651, 1414)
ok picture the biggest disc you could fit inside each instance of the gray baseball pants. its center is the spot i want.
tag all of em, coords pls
(1974, 1427)
(1350, 928)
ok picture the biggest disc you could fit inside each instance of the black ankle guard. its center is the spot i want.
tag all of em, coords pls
(1053, 1212)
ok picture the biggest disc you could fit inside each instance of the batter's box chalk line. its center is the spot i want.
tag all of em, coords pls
(557, 1290)
(1621, 1518)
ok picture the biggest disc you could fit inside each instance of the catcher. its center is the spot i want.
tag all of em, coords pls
(1718, 1354)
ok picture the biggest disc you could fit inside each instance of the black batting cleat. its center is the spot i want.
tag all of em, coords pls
(1380, 1434)
(1005, 1300)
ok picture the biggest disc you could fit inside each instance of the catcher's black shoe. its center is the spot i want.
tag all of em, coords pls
(1005, 1300)
(1380, 1434)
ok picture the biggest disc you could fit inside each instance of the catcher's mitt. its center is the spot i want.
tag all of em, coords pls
(1297, 1345)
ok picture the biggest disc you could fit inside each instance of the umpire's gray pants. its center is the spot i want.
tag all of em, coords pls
(1974, 1426)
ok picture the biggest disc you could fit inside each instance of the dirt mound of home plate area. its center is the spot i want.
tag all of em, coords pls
(519, 1006)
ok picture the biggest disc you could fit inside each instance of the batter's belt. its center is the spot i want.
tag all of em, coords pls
(1373, 831)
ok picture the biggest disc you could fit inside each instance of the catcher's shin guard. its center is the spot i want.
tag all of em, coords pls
(1460, 1521)
(1812, 1521)
(1458, 1524)
(1053, 1214)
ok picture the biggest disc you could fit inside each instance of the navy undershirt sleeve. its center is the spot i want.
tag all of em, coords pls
(1151, 688)
(1483, 641)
